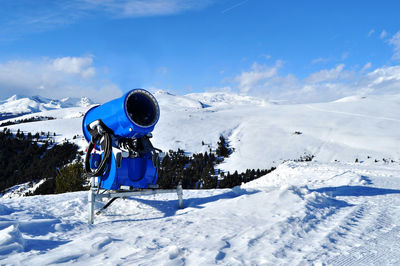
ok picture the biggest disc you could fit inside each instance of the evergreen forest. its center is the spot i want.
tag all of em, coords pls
(27, 157)
(33, 157)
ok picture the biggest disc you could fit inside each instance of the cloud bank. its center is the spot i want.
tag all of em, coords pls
(141, 8)
(395, 42)
(55, 78)
(325, 85)
(33, 17)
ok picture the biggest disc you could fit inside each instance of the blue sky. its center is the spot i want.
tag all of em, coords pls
(282, 49)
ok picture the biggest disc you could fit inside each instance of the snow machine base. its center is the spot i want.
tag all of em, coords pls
(96, 193)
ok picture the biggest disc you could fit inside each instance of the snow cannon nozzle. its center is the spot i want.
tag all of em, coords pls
(133, 115)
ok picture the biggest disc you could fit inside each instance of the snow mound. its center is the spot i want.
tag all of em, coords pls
(175, 102)
(11, 240)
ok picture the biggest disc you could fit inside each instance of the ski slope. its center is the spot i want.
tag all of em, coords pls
(302, 213)
(262, 134)
(329, 211)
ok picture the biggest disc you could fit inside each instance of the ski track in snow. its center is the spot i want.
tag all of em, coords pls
(302, 213)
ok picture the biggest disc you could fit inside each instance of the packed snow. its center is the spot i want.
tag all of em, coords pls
(341, 208)
(303, 213)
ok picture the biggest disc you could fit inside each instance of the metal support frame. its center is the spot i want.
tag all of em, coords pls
(94, 193)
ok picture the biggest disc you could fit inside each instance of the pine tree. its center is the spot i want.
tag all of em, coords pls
(222, 149)
(70, 178)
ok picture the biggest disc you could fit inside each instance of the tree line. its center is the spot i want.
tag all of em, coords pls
(26, 120)
(23, 160)
(198, 171)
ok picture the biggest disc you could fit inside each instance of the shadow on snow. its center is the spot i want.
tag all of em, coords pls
(170, 207)
(355, 191)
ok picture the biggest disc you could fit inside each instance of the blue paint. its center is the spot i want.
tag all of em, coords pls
(131, 116)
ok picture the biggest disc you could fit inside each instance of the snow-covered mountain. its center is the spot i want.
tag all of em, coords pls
(341, 208)
(18, 105)
(262, 134)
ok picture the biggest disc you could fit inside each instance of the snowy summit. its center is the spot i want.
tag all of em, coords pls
(19, 105)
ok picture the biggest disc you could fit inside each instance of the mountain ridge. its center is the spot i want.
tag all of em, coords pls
(18, 105)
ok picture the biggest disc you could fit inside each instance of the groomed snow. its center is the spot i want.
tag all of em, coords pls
(331, 210)
(302, 213)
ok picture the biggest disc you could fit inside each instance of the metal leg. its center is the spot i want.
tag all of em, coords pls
(114, 195)
(91, 200)
(179, 191)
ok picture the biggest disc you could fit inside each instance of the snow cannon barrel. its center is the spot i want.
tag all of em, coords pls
(131, 116)
(120, 153)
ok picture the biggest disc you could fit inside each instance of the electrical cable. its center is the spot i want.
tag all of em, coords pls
(106, 156)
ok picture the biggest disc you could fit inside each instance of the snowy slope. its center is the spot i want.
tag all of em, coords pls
(67, 124)
(262, 134)
(321, 212)
(302, 213)
(18, 105)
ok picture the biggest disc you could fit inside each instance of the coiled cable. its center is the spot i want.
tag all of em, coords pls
(106, 156)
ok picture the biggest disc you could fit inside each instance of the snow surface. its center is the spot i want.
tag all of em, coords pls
(17, 105)
(302, 213)
(262, 134)
(331, 210)
(21, 189)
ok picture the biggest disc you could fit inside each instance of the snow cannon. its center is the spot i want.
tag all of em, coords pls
(120, 153)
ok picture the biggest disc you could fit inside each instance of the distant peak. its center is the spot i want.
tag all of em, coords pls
(17, 105)
(70, 102)
(85, 102)
(160, 92)
(39, 99)
(14, 98)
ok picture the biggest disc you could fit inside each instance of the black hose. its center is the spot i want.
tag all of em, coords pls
(106, 157)
(106, 206)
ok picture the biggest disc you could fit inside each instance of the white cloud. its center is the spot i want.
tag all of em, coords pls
(48, 14)
(140, 8)
(55, 78)
(366, 66)
(395, 42)
(162, 70)
(344, 55)
(75, 65)
(250, 79)
(326, 75)
(372, 31)
(383, 34)
(324, 85)
(319, 60)
(382, 80)
(266, 56)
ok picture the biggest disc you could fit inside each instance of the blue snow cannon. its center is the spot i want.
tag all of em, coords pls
(120, 153)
